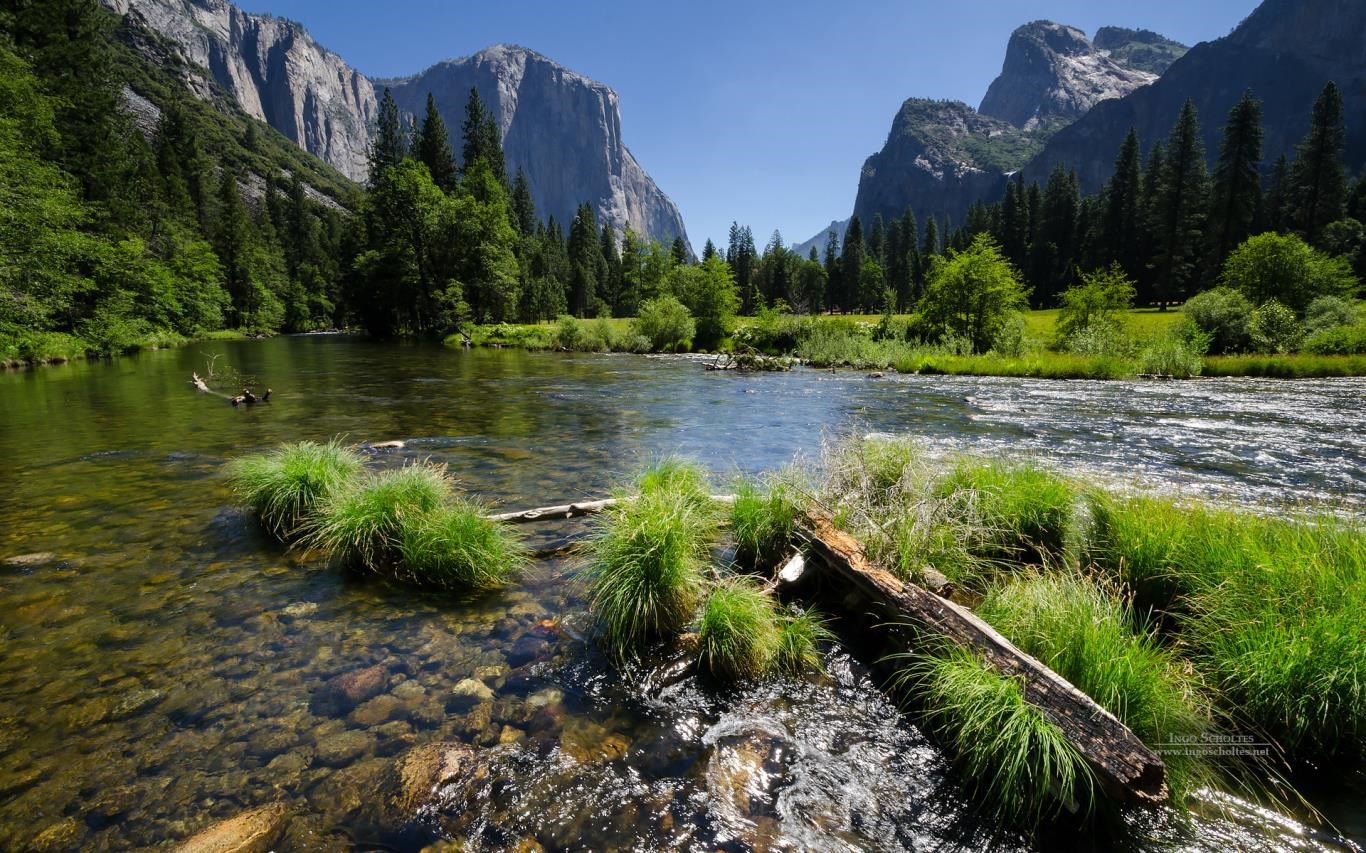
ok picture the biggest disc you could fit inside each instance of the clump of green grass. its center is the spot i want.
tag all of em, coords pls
(739, 635)
(455, 546)
(285, 485)
(1018, 762)
(763, 521)
(676, 475)
(362, 525)
(799, 637)
(1085, 632)
(1018, 511)
(646, 574)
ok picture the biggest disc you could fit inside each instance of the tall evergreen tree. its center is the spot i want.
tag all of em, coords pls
(709, 250)
(877, 240)
(1121, 217)
(432, 148)
(585, 261)
(1318, 184)
(833, 274)
(1236, 189)
(741, 255)
(1053, 255)
(1013, 224)
(1180, 208)
(679, 250)
(931, 245)
(391, 144)
(611, 286)
(523, 207)
(1276, 207)
(852, 256)
(480, 138)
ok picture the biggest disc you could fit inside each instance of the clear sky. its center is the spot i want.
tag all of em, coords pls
(760, 112)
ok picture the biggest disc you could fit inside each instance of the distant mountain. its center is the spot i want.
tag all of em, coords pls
(1052, 72)
(562, 128)
(1143, 50)
(1284, 52)
(941, 156)
(817, 242)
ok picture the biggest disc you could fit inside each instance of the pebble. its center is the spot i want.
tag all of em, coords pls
(468, 692)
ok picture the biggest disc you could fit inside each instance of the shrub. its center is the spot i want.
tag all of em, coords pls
(1171, 355)
(1224, 314)
(739, 635)
(454, 546)
(1284, 268)
(1017, 761)
(648, 555)
(1328, 312)
(287, 484)
(1098, 301)
(362, 525)
(1274, 328)
(763, 523)
(576, 335)
(1339, 340)
(973, 293)
(667, 323)
(1101, 339)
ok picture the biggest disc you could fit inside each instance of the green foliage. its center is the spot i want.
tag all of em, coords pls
(1338, 340)
(454, 546)
(763, 521)
(646, 577)
(1098, 301)
(284, 486)
(1328, 312)
(800, 636)
(738, 634)
(667, 324)
(1274, 329)
(1172, 354)
(362, 526)
(1016, 512)
(1019, 763)
(1224, 314)
(708, 290)
(678, 476)
(1284, 268)
(972, 293)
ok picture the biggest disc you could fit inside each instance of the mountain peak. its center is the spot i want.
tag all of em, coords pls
(1053, 72)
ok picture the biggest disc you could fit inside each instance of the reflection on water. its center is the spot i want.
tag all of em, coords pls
(168, 665)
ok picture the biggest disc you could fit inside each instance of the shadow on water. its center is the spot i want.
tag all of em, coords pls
(164, 664)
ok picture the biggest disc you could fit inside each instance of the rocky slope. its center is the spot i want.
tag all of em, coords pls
(1285, 52)
(1053, 72)
(563, 129)
(1142, 50)
(942, 156)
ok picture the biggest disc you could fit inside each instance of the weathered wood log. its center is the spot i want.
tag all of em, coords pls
(575, 510)
(1126, 768)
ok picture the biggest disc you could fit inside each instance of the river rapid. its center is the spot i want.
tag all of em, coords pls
(163, 662)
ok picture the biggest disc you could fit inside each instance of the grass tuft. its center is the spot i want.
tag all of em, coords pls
(1020, 764)
(454, 546)
(646, 574)
(1019, 511)
(679, 476)
(739, 635)
(763, 522)
(800, 636)
(285, 485)
(362, 525)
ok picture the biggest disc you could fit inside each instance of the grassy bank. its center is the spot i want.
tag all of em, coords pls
(29, 349)
(878, 343)
(1184, 620)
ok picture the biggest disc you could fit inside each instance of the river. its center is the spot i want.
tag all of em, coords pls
(161, 669)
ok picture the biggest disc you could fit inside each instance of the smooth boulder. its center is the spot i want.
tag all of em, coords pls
(254, 831)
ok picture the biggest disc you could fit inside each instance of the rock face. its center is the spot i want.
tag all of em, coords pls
(1053, 73)
(561, 128)
(1285, 52)
(275, 71)
(1142, 50)
(939, 158)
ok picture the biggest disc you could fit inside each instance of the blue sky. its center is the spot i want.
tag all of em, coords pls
(759, 112)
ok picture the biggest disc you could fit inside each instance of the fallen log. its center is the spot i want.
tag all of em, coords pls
(246, 397)
(575, 510)
(1127, 769)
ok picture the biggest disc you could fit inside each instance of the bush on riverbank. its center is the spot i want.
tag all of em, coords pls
(286, 485)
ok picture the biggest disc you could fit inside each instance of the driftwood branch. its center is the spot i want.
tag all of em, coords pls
(1125, 766)
(575, 510)
(246, 397)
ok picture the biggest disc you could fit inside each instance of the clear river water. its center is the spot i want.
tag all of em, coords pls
(162, 667)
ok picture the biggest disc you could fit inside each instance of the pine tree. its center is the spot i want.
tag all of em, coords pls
(877, 240)
(480, 138)
(931, 245)
(432, 148)
(852, 256)
(1053, 253)
(232, 242)
(1318, 184)
(833, 284)
(915, 267)
(1121, 217)
(523, 207)
(741, 254)
(1013, 224)
(709, 250)
(1236, 189)
(585, 261)
(680, 250)
(390, 145)
(1276, 208)
(1180, 207)
(611, 284)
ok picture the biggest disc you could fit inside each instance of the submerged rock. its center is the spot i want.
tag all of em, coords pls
(343, 748)
(469, 692)
(28, 561)
(254, 831)
(343, 693)
(443, 772)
